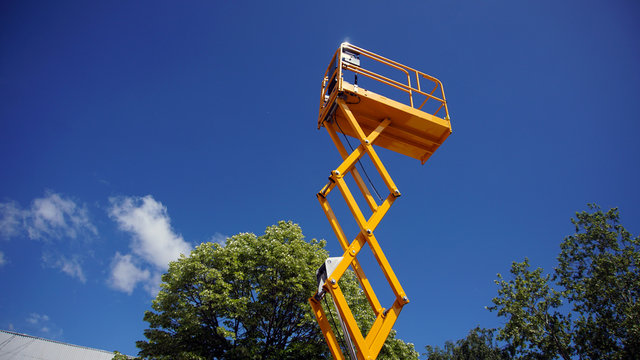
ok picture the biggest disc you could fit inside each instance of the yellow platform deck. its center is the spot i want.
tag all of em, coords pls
(412, 132)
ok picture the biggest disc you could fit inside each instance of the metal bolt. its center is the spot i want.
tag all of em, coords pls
(366, 141)
(369, 232)
(353, 252)
(333, 281)
(337, 172)
(406, 299)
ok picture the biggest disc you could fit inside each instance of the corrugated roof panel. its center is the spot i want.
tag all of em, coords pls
(15, 346)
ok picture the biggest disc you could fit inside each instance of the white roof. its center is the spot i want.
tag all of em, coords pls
(15, 346)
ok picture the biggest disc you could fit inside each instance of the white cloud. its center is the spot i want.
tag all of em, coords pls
(11, 219)
(72, 268)
(69, 266)
(42, 325)
(125, 275)
(52, 217)
(2, 259)
(56, 217)
(219, 238)
(149, 224)
(153, 243)
(37, 318)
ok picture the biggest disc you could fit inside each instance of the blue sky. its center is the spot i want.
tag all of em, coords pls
(132, 131)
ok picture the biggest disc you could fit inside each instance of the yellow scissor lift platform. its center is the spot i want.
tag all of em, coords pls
(416, 128)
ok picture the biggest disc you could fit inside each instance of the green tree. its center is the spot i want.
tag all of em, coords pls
(588, 308)
(245, 300)
(536, 329)
(599, 268)
(480, 344)
(119, 356)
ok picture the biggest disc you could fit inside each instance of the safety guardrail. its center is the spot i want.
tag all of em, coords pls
(348, 59)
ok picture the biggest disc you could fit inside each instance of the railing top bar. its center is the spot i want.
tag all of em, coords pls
(380, 58)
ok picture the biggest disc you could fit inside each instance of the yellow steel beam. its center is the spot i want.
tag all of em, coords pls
(329, 336)
(367, 143)
(356, 175)
(366, 347)
(355, 264)
(386, 268)
(377, 339)
(350, 321)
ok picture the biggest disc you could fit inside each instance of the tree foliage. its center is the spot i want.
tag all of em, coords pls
(244, 300)
(536, 328)
(599, 268)
(589, 307)
(118, 356)
(247, 299)
(480, 344)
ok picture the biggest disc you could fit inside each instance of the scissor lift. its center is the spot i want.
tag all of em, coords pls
(414, 125)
